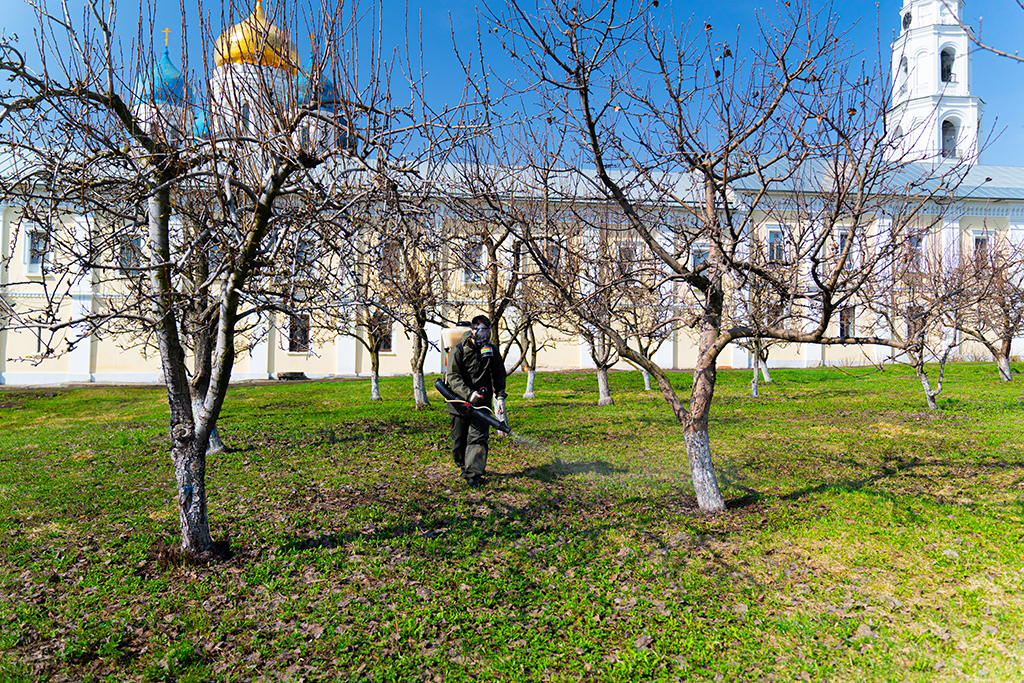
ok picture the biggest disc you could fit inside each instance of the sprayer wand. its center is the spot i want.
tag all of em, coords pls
(468, 409)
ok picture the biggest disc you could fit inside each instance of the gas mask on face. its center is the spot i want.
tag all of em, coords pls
(481, 334)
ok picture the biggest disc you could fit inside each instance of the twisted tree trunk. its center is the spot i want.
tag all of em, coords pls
(188, 453)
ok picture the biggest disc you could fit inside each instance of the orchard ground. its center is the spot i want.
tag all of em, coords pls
(866, 539)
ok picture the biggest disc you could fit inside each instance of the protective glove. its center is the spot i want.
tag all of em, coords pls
(476, 397)
(499, 409)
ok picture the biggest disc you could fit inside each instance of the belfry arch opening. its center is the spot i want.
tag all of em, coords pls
(946, 59)
(949, 134)
(903, 77)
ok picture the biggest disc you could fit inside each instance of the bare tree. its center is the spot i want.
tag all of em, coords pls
(998, 316)
(411, 282)
(87, 151)
(920, 305)
(698, 150)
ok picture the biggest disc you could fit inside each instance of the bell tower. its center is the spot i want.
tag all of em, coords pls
(934, 115)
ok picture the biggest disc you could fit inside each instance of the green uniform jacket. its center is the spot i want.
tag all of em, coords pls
(468, 371)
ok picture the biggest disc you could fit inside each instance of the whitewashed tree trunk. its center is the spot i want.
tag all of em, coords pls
(216, 445)
(647, 379)
(419, 356)
(375, 372)
(605, 395)
(702, 471)
(1003, 363)
(530, 376)
(419, 390)
(764, 372)
(753, 381)
(695, 423)
(929, 393)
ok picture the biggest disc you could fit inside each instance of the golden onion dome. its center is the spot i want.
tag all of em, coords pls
(255, 40)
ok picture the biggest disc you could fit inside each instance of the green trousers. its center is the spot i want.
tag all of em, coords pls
(469, 445)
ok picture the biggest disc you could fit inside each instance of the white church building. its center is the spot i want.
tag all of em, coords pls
(935, 115)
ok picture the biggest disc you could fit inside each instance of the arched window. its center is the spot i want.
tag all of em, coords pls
(946, 65)
(948, 139)
(904, 76)
(897, 137)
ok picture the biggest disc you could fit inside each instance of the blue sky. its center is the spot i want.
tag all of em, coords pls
(997, 81)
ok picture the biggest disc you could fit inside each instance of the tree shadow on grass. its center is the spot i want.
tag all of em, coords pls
(886, 470)
(533, 520)
(558, 470)
(753, 496)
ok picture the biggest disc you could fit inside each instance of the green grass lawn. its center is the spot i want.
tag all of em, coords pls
(867, 538)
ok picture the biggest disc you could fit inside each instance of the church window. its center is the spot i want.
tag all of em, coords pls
(948, 139)
(776, 246)
(245, 117)
(848, 321)
(552, 253)
(473, 274)
(980, 250)
(904, 76)
(700, 255)
(303, 261)
(298, 333)
(304, 137)
(382, 332)
(946, 65)
(37, 248)
(844, 240)
(915, 321)
(626, 260)
(915, 251)
(129, 253)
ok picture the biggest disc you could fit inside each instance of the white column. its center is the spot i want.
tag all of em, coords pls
(740, 357)
(261, 353)
(813, 355)
(951, 242)
(882, 241)
(5, 245)
(346, 361)
(665, 356)
(81, 293)
(1015, 235)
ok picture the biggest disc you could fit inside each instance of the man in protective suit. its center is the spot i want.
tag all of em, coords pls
(476, 373)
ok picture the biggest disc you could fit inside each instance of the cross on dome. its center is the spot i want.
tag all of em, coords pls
(163, 83)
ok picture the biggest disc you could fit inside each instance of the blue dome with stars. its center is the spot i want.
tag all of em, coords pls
(325, 96)
(164, 85)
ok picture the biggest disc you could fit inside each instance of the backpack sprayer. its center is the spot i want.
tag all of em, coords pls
(449, 338)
